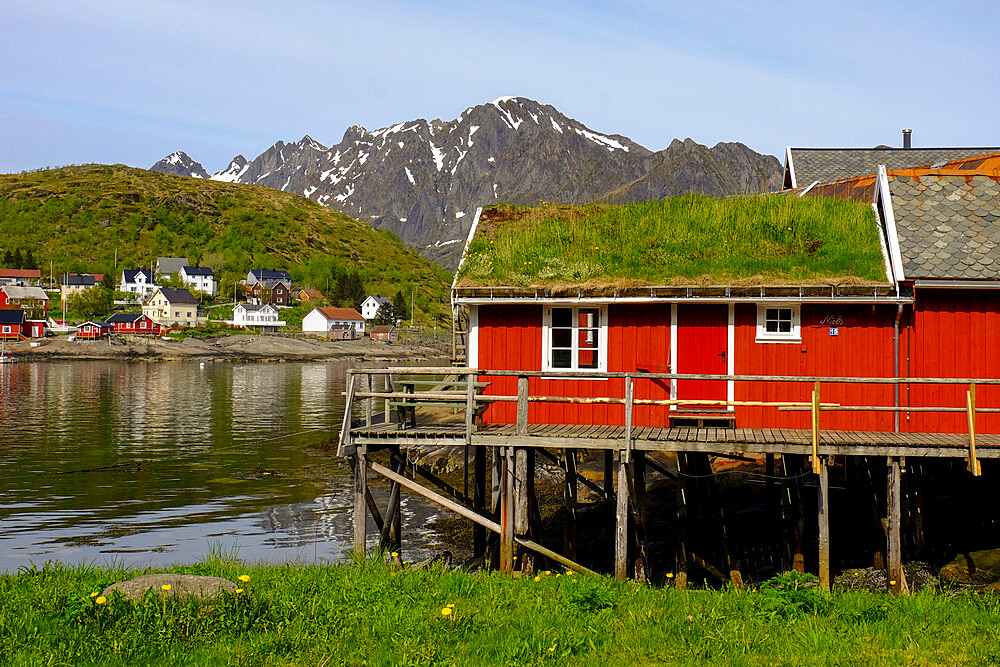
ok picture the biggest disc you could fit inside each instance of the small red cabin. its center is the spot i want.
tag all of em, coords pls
(93, 330)
(133, 323)
(934, 312)
(11, 324)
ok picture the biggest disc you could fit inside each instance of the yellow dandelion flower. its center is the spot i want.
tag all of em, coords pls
(558, 575)
(165, 587)
(574, 581)
(94, 595)
(244, 578)
(538, 578)
(101, 599)
(446, 611)
(552, 649)
(547, 573)
(451, 605)
(395, 554)
(238, 590)
(892, 583)
(670, 575)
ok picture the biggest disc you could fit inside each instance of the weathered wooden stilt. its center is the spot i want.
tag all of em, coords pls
(771, 505)
(787, 515)
(609, 475)
(390, 534)
(713, 499)
(823, 520)
(897, 582)
(621, 518)
(799, 557)
(918, 512)
(524, 475)
(569, 499)
(507, 512)
(496, 513)
(681, 556)
(360, 505)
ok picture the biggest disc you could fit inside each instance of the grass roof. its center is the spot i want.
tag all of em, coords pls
(688, 240)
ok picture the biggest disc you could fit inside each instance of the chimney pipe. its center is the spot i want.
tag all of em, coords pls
(906, 138)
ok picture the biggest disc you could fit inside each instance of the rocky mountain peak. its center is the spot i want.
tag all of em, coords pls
(424, 180)
(182, 164)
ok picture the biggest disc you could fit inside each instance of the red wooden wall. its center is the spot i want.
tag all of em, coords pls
(863, 347)
(953, 333)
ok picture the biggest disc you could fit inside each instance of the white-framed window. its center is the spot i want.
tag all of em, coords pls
(6, 329)
(779, 323)
(142, 324)
(575, 338)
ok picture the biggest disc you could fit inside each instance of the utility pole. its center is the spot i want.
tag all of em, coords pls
(413, 290)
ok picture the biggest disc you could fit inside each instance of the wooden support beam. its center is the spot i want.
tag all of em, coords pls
(655, 465)
(579, 478)
(823, 519)
(472, 516)
(373, 508)
(389, 535)
(897, 581)
(787, 519)
(643, 568)
(970, 402)
(621, 518)
(360, 505)
(569, 500)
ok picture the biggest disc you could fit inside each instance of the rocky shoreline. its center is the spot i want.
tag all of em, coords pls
(249, 347)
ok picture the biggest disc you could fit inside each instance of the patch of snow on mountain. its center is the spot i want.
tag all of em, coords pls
(362, 158)
(409, 176)
(494, 190)
(194, 175)
(506, 98)
(336, 159)
(174, 158)
(402, 219)
(232, 174)
(399, 143)
(459, 214)
(491, 159)
(600, 139)
(534, 117)
(507, 116)
(438, 244)
(438, 155)
(344, 195)
(308, 191)
(472, 131)
(556, 126)
(461, 155)
(289, 180)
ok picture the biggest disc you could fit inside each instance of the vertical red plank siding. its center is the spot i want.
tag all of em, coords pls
(864, 347)
(510, 338)
(954, 333)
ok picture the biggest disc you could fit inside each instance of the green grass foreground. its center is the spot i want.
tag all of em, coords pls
(375, 613)
(693, 238)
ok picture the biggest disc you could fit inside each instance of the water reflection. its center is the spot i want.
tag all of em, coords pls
(156, 463)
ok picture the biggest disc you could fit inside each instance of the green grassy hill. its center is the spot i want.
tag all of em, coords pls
(78, 217)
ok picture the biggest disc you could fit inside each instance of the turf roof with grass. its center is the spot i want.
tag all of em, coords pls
(688, 240)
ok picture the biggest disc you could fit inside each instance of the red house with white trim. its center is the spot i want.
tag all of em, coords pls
(936, 314)
(11, 324)
(133, 323)
(93, 330)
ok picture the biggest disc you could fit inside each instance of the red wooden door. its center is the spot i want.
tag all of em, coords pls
(702, 348)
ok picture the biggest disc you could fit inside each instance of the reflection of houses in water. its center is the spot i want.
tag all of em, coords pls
(157, 399)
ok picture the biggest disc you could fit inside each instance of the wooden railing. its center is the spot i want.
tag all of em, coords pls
(459, 387)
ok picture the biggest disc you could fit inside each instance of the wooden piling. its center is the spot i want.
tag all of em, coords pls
(507, 511)
(897, 582)
(621, 518)
(479, 499)
(642, 568)
(823, 520)
(523, 479)
(360, 504)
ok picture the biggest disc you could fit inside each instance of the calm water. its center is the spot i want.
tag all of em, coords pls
(159, 463)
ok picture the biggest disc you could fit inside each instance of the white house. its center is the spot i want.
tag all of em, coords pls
(200, 278)
(370, 306)
(323, 320)
(173, 306)
(263, 317)
(138, 282)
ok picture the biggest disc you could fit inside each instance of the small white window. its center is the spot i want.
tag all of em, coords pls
(142, 324)
(6, 329)
(778, 323)
(575, 338)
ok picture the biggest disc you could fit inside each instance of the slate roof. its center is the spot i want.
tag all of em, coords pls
(253, 308)
(178, 295)
(198, 271)
(832, 164)
(270, 274)
(78, 279)
(130, 276)
(170, 265)
(948, 225)
(11, 316)
(379, 299)
(124, 317)
(18, 292)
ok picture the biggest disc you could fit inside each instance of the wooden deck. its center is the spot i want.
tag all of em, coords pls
(686, 439)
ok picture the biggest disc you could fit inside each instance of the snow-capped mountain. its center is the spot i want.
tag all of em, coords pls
(182, 164)
(424, 180)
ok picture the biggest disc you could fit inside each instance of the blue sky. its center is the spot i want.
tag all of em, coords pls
(125, 81)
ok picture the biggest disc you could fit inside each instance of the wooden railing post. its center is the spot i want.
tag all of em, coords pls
(815, 429)
(369, 402)
(970, 407)
(522, 405)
